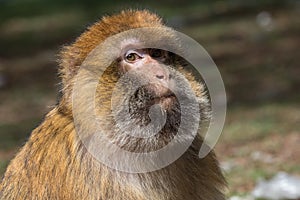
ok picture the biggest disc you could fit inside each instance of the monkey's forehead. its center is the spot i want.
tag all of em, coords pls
(151, 37)
(130, 43)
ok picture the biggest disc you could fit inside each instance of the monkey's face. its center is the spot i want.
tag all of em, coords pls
(149, 70)
(140, 95)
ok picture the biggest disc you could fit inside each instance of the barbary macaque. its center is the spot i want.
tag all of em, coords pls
(55, 162)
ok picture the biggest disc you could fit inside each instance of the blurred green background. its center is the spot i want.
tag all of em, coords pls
(255, 44)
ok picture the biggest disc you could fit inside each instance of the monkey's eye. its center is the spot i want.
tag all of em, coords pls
(156, 53)
(131, 57)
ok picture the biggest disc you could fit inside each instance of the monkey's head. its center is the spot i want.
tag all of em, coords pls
(72, 56)
(150, 80)
(140, 94)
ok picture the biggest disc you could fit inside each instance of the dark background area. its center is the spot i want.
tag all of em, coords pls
(255, 44)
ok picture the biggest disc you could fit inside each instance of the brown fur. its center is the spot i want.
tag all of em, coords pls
(54, 164)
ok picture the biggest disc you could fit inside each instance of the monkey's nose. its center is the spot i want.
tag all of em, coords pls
(162, 75)
(157, 72)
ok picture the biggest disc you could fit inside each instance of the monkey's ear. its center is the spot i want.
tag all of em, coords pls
(69, 64)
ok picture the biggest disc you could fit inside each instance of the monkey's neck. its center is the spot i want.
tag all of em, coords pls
(54, 164)
(187, 178)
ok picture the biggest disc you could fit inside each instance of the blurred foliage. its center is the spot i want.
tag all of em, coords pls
(27, 8)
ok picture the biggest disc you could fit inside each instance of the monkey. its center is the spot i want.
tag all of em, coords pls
(55, 163)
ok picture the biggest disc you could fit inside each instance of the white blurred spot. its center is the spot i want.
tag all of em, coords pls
(265, 21)
(281, 186)
(241, 198)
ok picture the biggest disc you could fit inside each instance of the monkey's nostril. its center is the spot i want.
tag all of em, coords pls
(160, 76)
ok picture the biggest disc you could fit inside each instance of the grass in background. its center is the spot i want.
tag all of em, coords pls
(257, 142)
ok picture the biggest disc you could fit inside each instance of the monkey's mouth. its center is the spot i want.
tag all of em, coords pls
(165, 100)
(166, 97)
(157, 93)
(148, 95)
